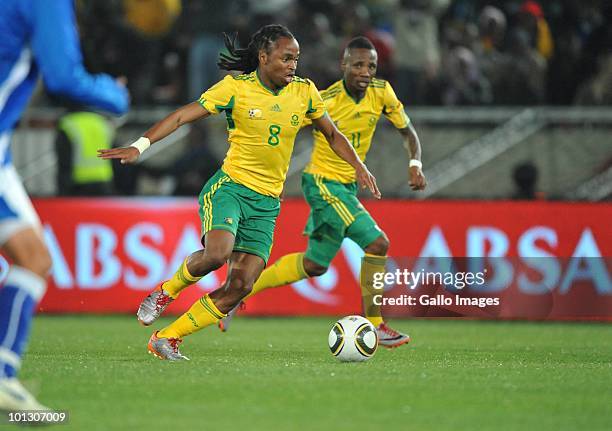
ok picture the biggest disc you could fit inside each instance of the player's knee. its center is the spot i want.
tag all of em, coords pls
(379, 246)
(39, 262)
(27, 250)
(216, 261)
(240, 286)
(314, 269)
(42, 263)
(215, 258)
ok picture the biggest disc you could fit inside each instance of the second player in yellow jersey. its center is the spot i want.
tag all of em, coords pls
(357, 119)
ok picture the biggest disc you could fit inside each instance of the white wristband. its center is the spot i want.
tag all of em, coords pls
(142, 144)
(415, 162)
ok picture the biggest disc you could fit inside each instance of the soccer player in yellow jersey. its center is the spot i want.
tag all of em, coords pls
(355, 104)
(264, 108)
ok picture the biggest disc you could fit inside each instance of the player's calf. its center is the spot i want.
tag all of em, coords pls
(230, 296)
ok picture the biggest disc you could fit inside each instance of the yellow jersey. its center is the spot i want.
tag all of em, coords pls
(262, 125)
(357, 121)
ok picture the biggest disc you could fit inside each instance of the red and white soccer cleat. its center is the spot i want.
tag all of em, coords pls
(389, 337)
(166, 348)
(153, 305)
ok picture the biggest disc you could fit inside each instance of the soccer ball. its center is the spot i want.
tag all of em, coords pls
(353, 339)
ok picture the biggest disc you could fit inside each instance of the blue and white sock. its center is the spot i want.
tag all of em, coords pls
(19, 295)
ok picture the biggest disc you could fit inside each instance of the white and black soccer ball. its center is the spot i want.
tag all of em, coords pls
(353, 339)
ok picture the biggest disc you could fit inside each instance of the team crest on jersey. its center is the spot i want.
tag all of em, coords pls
(295, 120)
(228, 220)
(255, 114)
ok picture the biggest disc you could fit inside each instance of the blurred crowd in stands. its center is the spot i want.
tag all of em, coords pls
(434, 52)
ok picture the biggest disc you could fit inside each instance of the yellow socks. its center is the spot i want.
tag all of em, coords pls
(202, 313)
(287, 269)
(180, 280)
(370, 265)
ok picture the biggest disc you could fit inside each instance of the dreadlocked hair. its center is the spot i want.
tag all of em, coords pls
(247, 59)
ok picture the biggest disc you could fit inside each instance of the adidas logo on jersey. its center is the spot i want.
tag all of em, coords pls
(276, 108)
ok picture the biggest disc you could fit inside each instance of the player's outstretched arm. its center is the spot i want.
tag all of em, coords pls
(413, 146)
(342, 147)
(161, 129)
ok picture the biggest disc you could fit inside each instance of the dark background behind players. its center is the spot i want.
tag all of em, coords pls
(166, 56)
(443, 54)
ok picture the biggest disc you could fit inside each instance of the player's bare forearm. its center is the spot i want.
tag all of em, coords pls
(186, 114)
(161, 129)
(412, 144)
(342, 147)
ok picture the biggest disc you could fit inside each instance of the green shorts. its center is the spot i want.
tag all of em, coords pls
(335, 214)
(249, 215)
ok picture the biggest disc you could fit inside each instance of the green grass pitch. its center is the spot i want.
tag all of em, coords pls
(277, 373)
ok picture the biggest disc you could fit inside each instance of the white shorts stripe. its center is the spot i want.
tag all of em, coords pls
(5, 143)
(18, 73)
(13, 197)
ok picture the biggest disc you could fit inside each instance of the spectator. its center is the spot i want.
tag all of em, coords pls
(80, 172)
(417, 56)
(598, 90)
(132, 38)
(464, 83)
(140, 39)
(597, 48)
(491, 30)
(489, 45)
(317, 42)
(152, 18)
(525, 73)
(357, 22)
(203, 24)
(531, 19)
(525, 176)
(562, 80)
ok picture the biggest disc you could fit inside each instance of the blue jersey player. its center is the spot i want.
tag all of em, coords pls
(39, 37)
